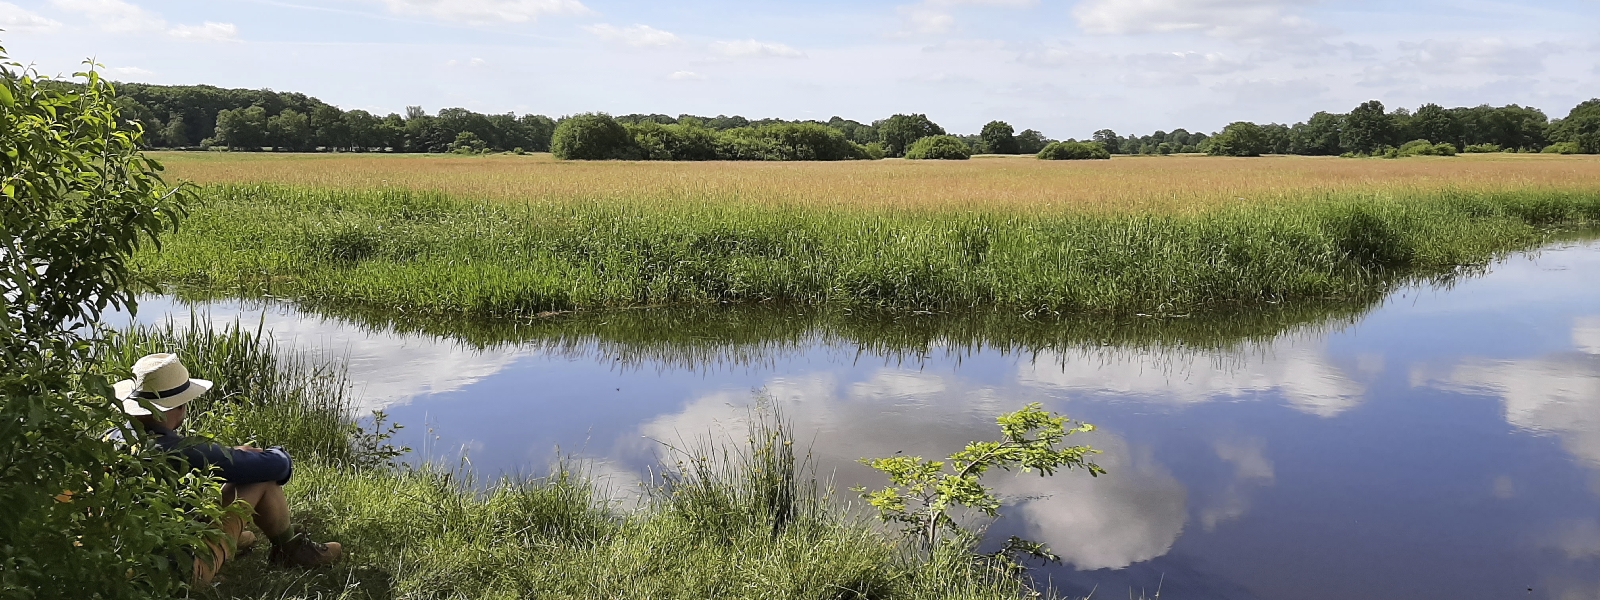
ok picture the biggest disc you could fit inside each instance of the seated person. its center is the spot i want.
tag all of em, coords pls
(252, 475)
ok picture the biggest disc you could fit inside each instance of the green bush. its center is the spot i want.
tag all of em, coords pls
(787, 141)
(1563, 148)
(1481, 148)
(874, 151)
(939, 147)
(1074, 151)
(84, 517)
(1424, 148)
(593, 136)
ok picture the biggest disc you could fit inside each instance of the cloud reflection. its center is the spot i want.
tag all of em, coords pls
(1132, 515)
(1302, 373)
(1558, 394)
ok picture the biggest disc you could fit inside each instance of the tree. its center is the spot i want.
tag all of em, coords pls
(176, 133)
(242, 129)
(939, 147)
(593, 136)
(84, 517)
(289, 129)
(1280, 139)
(1319, 136)
(1367, 128)
(1580, 130)
(1108, 139)
(329, 128)
(363, 129)
(898, 132)
(1031, 141)
(998, 138)
(1433, 122)
(1239, 139)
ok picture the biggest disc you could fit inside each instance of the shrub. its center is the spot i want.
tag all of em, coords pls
(1074, 151)
(899, 132)
(1563, 148)
(1481, 148)
(84, 517)
(939, 147)
(593, 136)
(873, 151)
(1425, 148)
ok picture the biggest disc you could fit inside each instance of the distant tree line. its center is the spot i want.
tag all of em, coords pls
(254, 120)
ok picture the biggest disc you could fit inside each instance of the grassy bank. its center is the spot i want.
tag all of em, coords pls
(754, 525)
(423, 253)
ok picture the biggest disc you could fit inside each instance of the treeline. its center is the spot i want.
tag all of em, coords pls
(254, 120)
(1371, 130)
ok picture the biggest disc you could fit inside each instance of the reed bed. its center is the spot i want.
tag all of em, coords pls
(432, 254)
(724, 518)
(1016, 185)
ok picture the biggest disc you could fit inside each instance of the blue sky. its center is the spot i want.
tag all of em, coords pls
(1065, 67)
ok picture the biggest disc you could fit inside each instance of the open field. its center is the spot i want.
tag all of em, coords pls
(1012, 184)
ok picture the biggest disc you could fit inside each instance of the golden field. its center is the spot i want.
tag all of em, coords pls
(1124, 184)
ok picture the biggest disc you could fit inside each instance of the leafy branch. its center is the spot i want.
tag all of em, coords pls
(922, 493)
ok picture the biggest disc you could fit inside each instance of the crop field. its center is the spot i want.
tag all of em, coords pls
(991, 183)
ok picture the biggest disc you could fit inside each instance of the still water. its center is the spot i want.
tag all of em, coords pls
(1443, 442)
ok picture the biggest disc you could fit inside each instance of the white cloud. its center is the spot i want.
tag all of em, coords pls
(935, 16)
(1251, 469)
(1231, 19)
(16, 18)
(210, 32)
(636, 35)
(746, 48)
(686, 76)
(113, 15)
(117, 16)
(487, 11)
(134, 71)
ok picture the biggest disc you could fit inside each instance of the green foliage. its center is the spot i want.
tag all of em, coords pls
(428, 254)
(1581, 128)
(922, 493)
(1424, 148)
(999, 138)
(1481, 148)
(1031, 141)
(593, 136)
(1563, 148)
(787, 141)
(468, 142)
(1367, 128)
(1074, 151)
(84, 516)
(899, 132)
(939, 147)
(1240, 139)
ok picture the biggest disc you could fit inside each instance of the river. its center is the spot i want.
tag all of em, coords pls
(1442, 442)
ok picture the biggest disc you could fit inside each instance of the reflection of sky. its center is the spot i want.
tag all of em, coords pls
(1448, 445)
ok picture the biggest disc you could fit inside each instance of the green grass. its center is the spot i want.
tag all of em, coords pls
(424, 254)
(724, 519)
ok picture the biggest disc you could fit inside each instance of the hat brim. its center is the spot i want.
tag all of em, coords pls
(131, 405)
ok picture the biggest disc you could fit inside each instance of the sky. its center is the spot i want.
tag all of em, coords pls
(1064, 67)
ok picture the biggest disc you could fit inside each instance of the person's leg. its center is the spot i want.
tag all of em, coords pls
(269, 508)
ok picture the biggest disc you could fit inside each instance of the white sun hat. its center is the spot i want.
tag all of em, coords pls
(159, 379)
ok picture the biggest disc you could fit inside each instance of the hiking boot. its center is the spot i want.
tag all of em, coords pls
(300, 551)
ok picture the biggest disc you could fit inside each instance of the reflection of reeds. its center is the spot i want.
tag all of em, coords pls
(740, 519)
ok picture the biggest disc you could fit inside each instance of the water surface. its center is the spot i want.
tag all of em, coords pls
(1444, 442)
